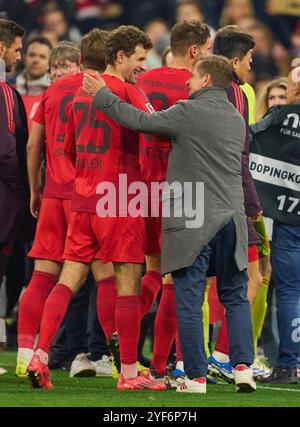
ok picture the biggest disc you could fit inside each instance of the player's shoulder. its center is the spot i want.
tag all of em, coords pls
(152, 73)
(68, 83)
(117, 86)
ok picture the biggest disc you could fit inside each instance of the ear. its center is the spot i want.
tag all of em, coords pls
(193, 51)
(235, 63)
(120, 57)
(3, 49)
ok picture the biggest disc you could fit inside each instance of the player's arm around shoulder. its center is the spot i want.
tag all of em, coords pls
(164, 123)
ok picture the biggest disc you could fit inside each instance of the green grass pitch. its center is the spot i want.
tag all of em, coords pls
(101, 392)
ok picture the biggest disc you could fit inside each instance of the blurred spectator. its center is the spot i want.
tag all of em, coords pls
(191, 10)
(236, 10)
(158, 31)
(55, 27)
(142, 11)
(212, 11)
(263, 67)
(271, 94)
(295, 41)
(35, 78)
(97, 13)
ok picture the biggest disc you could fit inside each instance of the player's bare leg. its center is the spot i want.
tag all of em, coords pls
(31, 308)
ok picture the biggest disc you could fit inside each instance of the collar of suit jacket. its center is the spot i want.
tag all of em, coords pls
(208, 92)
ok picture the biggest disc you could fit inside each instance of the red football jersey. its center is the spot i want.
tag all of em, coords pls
(31, 103)
(104, 148)
(53, 114)
(164, 86)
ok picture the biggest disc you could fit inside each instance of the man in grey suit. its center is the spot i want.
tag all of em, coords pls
(207, 136)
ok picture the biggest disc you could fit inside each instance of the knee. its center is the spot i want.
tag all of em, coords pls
(102, 271)
(74, 275)
(128, 278)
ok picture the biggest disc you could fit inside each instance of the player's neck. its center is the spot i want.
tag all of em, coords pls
(113, 71)
(90, 70)
(181, 63)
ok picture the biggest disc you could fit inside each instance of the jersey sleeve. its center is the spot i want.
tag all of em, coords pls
(9, 167)
(166, 123)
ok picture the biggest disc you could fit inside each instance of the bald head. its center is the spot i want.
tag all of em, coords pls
(293, 88)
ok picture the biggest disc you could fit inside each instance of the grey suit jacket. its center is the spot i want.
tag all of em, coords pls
(207, 136)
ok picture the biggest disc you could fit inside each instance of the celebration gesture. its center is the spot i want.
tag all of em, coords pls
(91, 84)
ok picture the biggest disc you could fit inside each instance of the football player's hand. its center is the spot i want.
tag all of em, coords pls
(91, 84)
(35, 204)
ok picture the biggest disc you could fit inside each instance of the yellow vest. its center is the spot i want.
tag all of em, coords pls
(250, 94)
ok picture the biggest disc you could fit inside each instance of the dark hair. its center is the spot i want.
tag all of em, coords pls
(232, 42)
(92, 49)
(219, 68)
(65, 52)
(40, 40)
(9, 30)
(125, 38)
(186, 34)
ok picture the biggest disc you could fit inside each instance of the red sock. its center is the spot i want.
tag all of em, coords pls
(165, 328)
(106, 305)
(32, 305)
(54, 312)
(222, 342)
(151, 285)
(179, 357)
(128, 321)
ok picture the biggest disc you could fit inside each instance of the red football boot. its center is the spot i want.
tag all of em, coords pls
(39, 373)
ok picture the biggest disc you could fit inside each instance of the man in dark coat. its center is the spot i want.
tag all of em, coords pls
(16, 222)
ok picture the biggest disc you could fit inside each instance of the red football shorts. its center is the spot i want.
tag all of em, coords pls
(153, 235)
(51, 231)
(118, 239)
(252, 253)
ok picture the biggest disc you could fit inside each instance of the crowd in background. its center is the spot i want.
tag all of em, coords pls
(274, 24)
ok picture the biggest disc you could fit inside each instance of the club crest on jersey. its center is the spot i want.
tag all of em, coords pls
(149, 107)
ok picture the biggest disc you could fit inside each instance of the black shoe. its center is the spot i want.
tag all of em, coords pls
(113, 345)
(280, 375)
(144, 361)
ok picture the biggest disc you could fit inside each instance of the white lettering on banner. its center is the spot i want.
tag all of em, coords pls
(275, 172)
(295, 120)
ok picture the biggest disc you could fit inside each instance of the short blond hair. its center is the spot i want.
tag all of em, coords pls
(65, 51)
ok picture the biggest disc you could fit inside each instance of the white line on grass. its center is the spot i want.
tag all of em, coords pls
(278, 389)
(268, 388)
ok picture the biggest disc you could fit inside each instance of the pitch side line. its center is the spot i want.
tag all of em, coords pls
(268, 388)
(278, 389)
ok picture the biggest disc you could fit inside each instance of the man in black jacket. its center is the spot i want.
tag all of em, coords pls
(15, 219)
